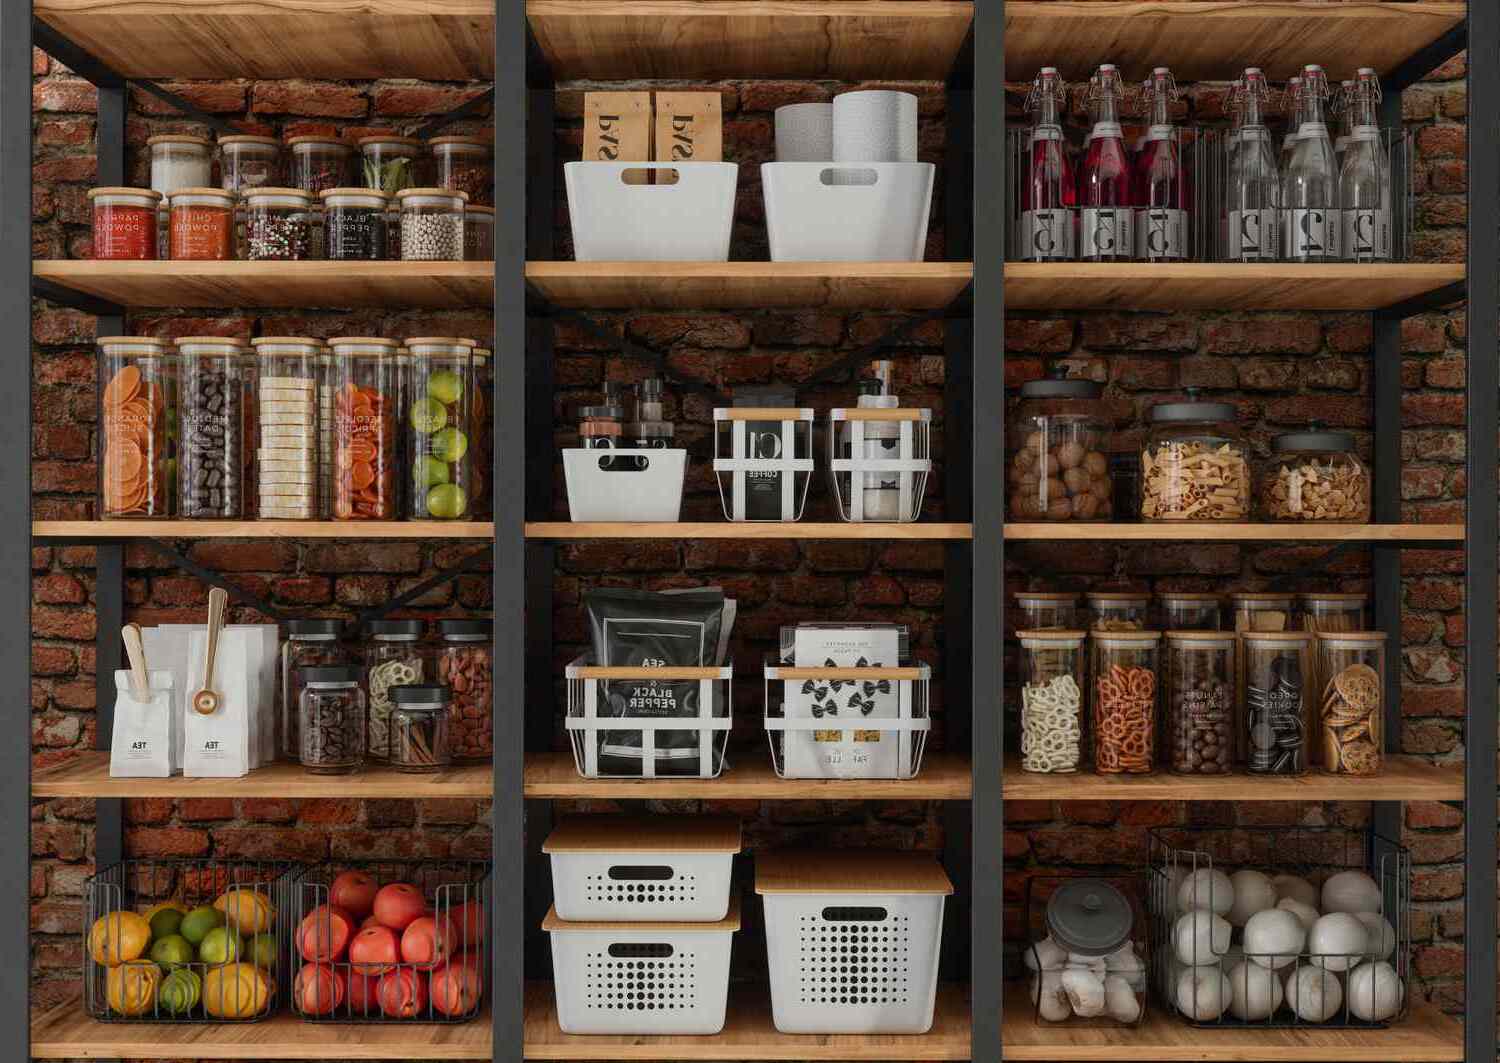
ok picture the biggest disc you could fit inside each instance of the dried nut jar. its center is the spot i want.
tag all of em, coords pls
(394, 657)
(1279, 691)
(1351, 714)
(286, 455)
(438, 426)
(1046, 610)
(1118, 610)
(1316, 475)
(248, 162)
(1199, 712)
(465, 664)
(309, 643)
(278, 225)
(1052, 711)
(210, 429)
(202, 225)
(432, 225)
(1254, 611)
(354, 224)
(389, 163)
(1195, 463)
(1327, 612)
(318, 163)
(125, 222)
(1061, 471)
(465, 164)
(178, 161)
(332, 720)
(1188, 611)
(1125, 701)
(364, 408)
(135, 408)
(420, 722)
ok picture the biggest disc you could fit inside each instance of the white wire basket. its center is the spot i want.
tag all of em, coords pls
(760, 468)
(614, 718)
(847, 723)
(879, 461)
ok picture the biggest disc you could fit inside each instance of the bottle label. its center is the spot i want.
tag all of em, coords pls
(1309, 232)
(1366, 235)
(1047, 235)
(1252, 235)
(1046, 132)
(1161, 234)
(1108, 129)
(1312, 129)
(1159, 132)
(1107, 232)
(1365, 132)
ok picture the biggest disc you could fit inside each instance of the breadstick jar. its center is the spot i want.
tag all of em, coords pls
(1278, 719)
(1200, 702)
(1316, 476)
(1351, 720)
(364, 428)
(135, 390)
(1061, 471)
(1195, 464)
(1125, 701)
(1052, 732)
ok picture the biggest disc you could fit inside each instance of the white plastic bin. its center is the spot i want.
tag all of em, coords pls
(624, 483)
(852, 939)
(847, 212)
(635, 869)
(687, 221)
(841, 742)
(641, 978)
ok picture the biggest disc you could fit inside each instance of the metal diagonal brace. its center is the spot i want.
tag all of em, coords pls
(468, 564)
(213, 579)
(634, 351)
(1420, 304)
(469, 107)
(65, 296)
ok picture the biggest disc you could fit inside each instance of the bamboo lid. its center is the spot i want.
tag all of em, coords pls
(849, 871)
(644, 834)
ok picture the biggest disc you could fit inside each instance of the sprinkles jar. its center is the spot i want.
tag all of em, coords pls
(278, 225)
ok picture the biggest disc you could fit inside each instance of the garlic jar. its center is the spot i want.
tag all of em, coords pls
(1278, 712)
(1125, 694)
(1351, 720)
(1052, 712)
(1316, 476)
(1195, 464)
(1060, 471)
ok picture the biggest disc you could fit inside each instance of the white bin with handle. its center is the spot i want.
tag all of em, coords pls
(688, 220)
(847, 212)
(624, 483)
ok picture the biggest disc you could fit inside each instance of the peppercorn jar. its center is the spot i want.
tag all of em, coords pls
(389, 163)
(1332, 611)
(278, 225)
(178, 161)
(319, 163)
(1315, 475)
(331, 720)
(465, 164)
(465, 664)
(354, 221)
(1125, 701)
(1118, 610)
(1046, 610)
(1195, 463)
(286, 455)
(309, 643)
(248, 162)
(1060, 470)
(1187, 611)
(210, 429)
(135, 408)
(1278, 713)
(1351, 716)
(364, 464)
(438, 428)
(124, 223)
(394, 656)
(421, 720)
(479, 234)
(202, 225)
(1052, 710)
(1199, 715)
(481, 469)
(432, 225)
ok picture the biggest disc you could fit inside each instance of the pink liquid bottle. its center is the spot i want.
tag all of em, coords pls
(1048, 196)
(1106, 229)
(1162, 216)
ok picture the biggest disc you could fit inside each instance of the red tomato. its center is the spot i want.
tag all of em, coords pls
(473, 959)
(427, 942)
(370, 920)
(456, 989)
(324, 933)
(319, 989)
(374, 950)
(402, 993)
(361, 996)
(399, 904)
(354, 891)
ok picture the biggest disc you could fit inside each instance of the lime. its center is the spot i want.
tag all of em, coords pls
(165, 922)
(447, 501)
(429, 472)
(450, 444)
(262, 951)
(428, 415)
(180, 991)
(197, 923)
(445, 386)
(221, 945)
(174, 950)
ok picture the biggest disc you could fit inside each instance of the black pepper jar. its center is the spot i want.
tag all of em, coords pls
(332, 720)
(355, 225)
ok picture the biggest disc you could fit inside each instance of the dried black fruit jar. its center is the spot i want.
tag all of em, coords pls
(332, 720)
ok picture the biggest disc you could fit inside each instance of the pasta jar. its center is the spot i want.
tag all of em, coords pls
(1316, 475)
(1195, 463)
(1200, 702)
(439, 427)
(1278, 716)
(465, 663)
(1052, 732)
(287, 405)
(393, 658)
(1332, 611)
(178, 161)
(1046, 610)
(389, 163)
(248, 162)
(278, 225)
(1187, 611)
(1118, 610)
(1254, 611)
(465, 164)
(319, 163)
(134, 410)
(432, 225)
(210, 429)
(202, 225)
(420, 719)
(124, 223)
(309, 643)
(354, 221)
(479, 234)
(1351, 719)
(1061, 471)
(481, 469)
(1124, 709)
(332, 720)
(364, 428)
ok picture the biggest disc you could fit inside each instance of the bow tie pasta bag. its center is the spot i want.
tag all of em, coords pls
(849, 748)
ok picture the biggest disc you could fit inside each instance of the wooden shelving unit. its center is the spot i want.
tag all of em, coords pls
(261, 529)
(1231, 532)
(746, 530)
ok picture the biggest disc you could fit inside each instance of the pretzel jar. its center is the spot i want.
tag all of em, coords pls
(135, 394)
(1200, 702)
(1125, 693)
(365, 411)
(1279, 690)
(1052, 732)
(465, 662)
(1061, 471)
(1317, 476)
(1351, 717)
(1195, 464)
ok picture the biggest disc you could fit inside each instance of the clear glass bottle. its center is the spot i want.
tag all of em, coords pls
(202, 225)
(1052, 709)
(438, 425)
(465, 664)
(1316, 475)
(365, 412)
(432, 225)
(1164, 199)
(1125, 701)
(1339, 105)
(1118, 610)
(1047, 231)
(1188, 611)
(248, 162)
(389, 163)
(332, 720)
(1351, 721)
(287, 405)
(309, 643)
(420, 718)
(1199, 714)
(1278, 710)
(1253, 187)
(1195, 463)
(210, 429)
(479, 234)
(319, 163)
(354, 223)
(1365, 179)
(1310, 183)
(1060, 470)
(481, 469)
(278, 225)
(1047, 610)
(1330, 612)
(1291, 106)
(394, 656)
(125, 221)
(1106, 231)
(465, 164)
(135, 391)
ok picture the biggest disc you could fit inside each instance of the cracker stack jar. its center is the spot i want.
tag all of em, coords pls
(763, 462)
(1195, 464)
(1351, 715)
(287, 457)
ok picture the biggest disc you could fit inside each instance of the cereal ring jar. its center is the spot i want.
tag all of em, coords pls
(1061, 469)
(394, 656)
(1124, 702)
(1278, 715)
(1200, 702)
(1316, 476)
(1195, 464)
(465, 659)
(1052, 731)
(1187, 611)
(135, 406)
(364, 410)
(1351, 718)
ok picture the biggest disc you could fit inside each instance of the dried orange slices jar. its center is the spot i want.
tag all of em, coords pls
(134, 472)
(364, 428)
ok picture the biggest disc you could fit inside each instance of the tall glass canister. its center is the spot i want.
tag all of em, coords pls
(394, 657)
(1329, 612)
(1279, 698)
(134, 390)
(364, 428)
(438, 426)
(465, 663)
(308, 643)
(1352, 714)
(250, 432)
(1046, 610)
(1254, 611)
(483, 435)
(1125, 701)
(1199, 713)
(1188, 611)
(287, 456)
(1052, 712)
(210, 429)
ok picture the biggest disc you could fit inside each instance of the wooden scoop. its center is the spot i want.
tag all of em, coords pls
(135, 650)
(206, 701)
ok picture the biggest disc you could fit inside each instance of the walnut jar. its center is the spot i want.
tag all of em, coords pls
(1059, 469)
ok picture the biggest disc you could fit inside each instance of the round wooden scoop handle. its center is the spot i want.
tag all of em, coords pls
(206, 701)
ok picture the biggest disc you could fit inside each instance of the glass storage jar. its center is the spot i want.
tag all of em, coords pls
(124, 222)
(393, 232)
(178, 161)
(325, 434)
(481, 469)
(309, 643)
(1052, 731)
(1332, 611)
(1316, 475)
(1125, 701)
(420, 718)
(278, 225)
(1118, 610)
(1254, 611)
(248, 162)
(1351, 719)
(432, 225)
(404, 480)
(479, 234)
(332, 720)
(210, 429)
(389, 163)
(202, 225)
(364, 428)
(438, 426)
(394, 656)
(1187, 611)
(250, 419)
(1061, 469)
(1279, 690)
(1199, 714)
(1046, 610)
(465, 164)
(1195, 463)
(135, 407)
(354, 223)
(287, 406)
(319, 163)
(465, 661)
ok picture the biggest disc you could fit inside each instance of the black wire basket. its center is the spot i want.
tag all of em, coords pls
(333, 978)
(184, 941)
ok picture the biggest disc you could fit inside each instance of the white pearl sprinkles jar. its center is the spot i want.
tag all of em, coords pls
(432, 224)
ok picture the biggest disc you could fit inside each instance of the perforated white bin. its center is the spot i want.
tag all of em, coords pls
(847, 212)
(688, 221)
(852, 939)
(624, 483)
(641, 978)
(643, 868)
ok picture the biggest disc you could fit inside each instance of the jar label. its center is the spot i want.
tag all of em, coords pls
(200, 233)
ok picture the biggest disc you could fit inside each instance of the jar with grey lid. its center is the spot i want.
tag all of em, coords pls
(1195, 463)
(419, 728)
(1316, 475)
(309, 643)
(332, 720)
(432, 225)
(1060, 470)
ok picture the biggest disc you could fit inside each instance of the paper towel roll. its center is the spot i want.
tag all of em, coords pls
(804, 132)
(877, 125)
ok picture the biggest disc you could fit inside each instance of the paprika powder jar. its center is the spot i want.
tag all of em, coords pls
(124, 223)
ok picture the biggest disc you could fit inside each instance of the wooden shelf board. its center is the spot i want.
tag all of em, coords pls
(1405, 778)
(441, 40)
(1233, 532)
(751, 285)
(1221, 285)
(848, 40)
(1216, 39)
(1426, 1036)
(563, 529)
(261, 529)
(749, 1034)
(749, 776)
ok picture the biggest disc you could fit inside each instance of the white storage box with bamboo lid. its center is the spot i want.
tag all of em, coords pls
(643, 868)
(852, 939)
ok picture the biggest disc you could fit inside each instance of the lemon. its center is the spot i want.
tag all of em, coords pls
(119, 937)
(197, 923)
(131, 986)
(248, 911)
(180, 991)
(236, 991)
(445, 386)
(447, 501)
(428, 415)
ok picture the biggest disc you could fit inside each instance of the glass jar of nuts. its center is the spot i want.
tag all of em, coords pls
(1060, 471)
(1195, 464)
(1317, 476)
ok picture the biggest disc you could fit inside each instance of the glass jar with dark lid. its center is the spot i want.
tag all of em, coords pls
(1195, 463)
(1316, 475)
(311, 642)
(332, 711)
(420, 719)
(394, 656)
(601, 426)
(1060, 468)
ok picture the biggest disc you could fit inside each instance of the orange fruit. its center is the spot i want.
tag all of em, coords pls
(119, 937)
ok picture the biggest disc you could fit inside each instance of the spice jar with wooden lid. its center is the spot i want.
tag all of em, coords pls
(1118, 610)
(1195, 463)
(1046, 610)
(1332, 611)
(125, 222)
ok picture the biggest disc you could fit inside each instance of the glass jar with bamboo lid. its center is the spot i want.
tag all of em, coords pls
(1052, 709)
(1188, 611)
(1332, 611)
(1351, 717)
(1280, 681)
(1254, 611)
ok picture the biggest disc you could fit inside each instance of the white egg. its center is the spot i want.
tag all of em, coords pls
(1120, 999)
(1207, 888)
(1203, 993)
(1274, 937)
(1297, 888)
(1085, 992)
(1350, 891)
(1314, 994)
(1305, 912)
(1254, 992)
(1045, 955)
(1375, 991)
(1047, 994)
(1336, 941)
(1380, 936)
(1200, 938)
(1253, 892)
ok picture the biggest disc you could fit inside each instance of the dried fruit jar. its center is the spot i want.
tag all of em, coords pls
(1061, 471)
(393, 658)
(389, 163)
(278, 225)
(465, 663)
(1052, 713)
(432, 225)
(178, 161)
(1351, 718)
(332, 720)
(134, 394)
(202, 225)
(420, 720)
(1278, 715)
(438, 424)
(248, 162)
(1195, 464)
(465, 164)
(309, 643)
(124, 223)
(354, 221)
(210, 429)
(1316, 475)
(319, 163)
(1200, 702)
(1125, 701)
(1187, 611)
(287, 407)
(364, 466)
